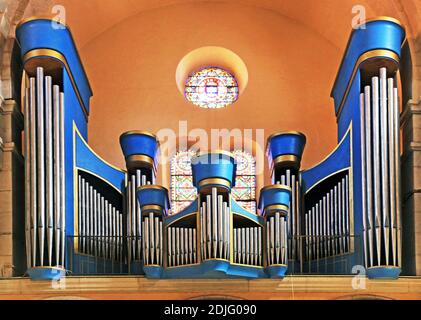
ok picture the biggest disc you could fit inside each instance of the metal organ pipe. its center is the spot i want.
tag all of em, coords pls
(215, 224)
(44, 171)
(380, 116)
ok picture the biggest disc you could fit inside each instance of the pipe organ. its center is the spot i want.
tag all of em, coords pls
(86, 216)
(44, 164)
(141, 170)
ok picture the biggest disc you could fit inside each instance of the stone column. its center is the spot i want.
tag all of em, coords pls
(12, 221)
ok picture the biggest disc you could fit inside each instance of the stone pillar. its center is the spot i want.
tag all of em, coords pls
(12, 221)
(411, 188)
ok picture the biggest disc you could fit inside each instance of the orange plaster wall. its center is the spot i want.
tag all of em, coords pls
(132, 65)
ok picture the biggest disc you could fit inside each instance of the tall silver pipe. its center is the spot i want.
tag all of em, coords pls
(57, 198)
(376, 162)
(62, 181)
(27, 125)
(256, 246)
(177, 246)
(107, 228)
(144, 252)
(87, 226)
(174, 250)
(396, 121)
(49, 187)
(209, 225)
(235, 246)
(33, 168)
(169, 247)
(83, 215)
(202, 232)
(95, 220)
(138, 215)
(392, 169)
(344, 219)
(220, 226)
(190, 245)
(146, 240)
(80, 208)
(41, 162)
(268, 242)
(227, 231)
(283, 257)
(328, 233)
(332, 222)
(186, 245)
(272, 240)
(119, 236)
(129, 222)
(103, 221)
(324, 233)
(277, 237)
(214, 221)
(157, 239)
(259, 246)
(384, 162)
(340, 220)
(247, 230)
(317, 230)
(368, 173)
(194, 246)
(307, 233)
(134, 214)
(152, 237)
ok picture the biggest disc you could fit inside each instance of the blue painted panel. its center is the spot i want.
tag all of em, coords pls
(153, 195)
(139, 144)
(378, 34)
(286, 144)
(89, 161)
(338, 160)
(42, 33)
(191, 208)
(274, 195)
(213, 165)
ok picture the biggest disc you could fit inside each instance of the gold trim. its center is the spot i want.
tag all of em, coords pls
(183, 265)
(217, 259)
(89, 147)
(247, 265)
(286, 157)
(139, 158)
(47, 267)
(276, 207)
(152, 207)
(276, 186)
(327, 177)
(146, 133)
(220, 181)
(41, 17)
(152, 186)
(333, 151)
(376, 53)
(36, 53)
(381, 18)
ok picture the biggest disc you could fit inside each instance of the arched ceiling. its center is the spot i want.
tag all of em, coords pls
(330, 18)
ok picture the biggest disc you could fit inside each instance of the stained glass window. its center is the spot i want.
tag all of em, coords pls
(183, 192)
(211, 87)
(244, 191)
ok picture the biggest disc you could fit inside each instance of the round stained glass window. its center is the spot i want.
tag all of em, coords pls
(211, 87)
